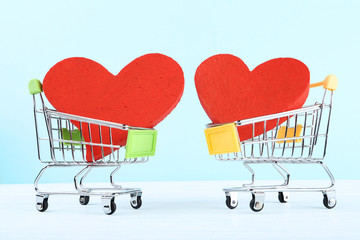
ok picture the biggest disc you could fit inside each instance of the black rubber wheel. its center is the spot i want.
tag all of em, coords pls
(228, 203)
(112, 206)
(252, 205)
(326, 202)
(84, 200)
(137, 204)
(281, 197)
(43, 206)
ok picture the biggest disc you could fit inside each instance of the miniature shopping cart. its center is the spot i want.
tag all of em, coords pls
(299, 137)
(64, 146)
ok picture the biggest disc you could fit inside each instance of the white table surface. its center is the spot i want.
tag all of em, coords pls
(181, 210)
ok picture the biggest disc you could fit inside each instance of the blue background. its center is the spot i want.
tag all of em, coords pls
(35, 35)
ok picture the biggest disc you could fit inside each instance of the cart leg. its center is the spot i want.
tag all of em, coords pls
(285, 176)
(257, 201)
(283, 196)
(252, 175)
(280, 169)
(78, 185)
(332, 179)
(83, 199)
(231, 199)
(84, 176)
(37, 179)
(112, 178)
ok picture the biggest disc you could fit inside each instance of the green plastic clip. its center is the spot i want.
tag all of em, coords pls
(75, 134)
(35, 86)
(140, 143)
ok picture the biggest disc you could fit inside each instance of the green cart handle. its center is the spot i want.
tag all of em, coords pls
(35, 86)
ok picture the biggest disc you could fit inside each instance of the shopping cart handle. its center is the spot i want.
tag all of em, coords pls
(35, 86)
(329, 83)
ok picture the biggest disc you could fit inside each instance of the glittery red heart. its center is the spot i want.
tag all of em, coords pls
(142, 94)
(229, 91)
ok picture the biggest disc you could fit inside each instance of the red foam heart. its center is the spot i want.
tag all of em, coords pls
(229, 91)
(142, 94)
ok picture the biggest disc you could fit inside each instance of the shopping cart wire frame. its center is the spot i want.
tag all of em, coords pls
(300, 139)
(64, 146)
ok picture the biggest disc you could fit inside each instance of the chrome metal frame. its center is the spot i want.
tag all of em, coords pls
(308, 148)
(72, 153)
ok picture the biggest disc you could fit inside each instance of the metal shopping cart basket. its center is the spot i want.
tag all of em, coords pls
(299, 137)
(65, 147)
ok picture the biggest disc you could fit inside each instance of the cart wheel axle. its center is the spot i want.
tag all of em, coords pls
(283, 197)
(43, 205)
(109, 205)
(84, 200)
(329, 202)
(231, 203)
(136, 203)
(257, 202)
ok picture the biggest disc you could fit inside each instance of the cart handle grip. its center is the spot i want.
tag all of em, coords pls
(329, 83)
(35, 86)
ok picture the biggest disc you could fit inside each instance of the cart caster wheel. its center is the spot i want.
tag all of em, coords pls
(283, 197)
(109, 207)
(256, 206)
(42, 206)
(231, 203)
(329, 203)
(84, 200)
(136, 204)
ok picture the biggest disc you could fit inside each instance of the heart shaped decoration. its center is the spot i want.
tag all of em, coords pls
(142, 94)
(229, 91)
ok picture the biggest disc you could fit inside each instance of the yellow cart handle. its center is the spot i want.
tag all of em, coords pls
(330, 83)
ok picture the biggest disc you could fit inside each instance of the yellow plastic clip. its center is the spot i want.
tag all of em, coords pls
(222, 139)
(330, 83)
(289, 133)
